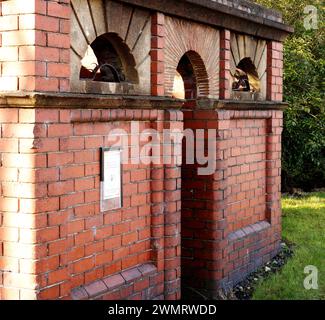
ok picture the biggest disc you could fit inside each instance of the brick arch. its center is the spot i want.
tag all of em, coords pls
(201, 43)
(122, 51)
(94, 18)
(200, 81)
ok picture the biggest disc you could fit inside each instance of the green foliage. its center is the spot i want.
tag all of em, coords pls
(304, 87)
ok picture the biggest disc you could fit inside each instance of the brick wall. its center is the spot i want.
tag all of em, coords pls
(53, 236)
(247, 167)
(231, 219)
(54, 241)
(35, 42)
(253, 190)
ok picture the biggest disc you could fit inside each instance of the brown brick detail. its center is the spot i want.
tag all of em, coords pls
(225, 90)
(275, 71)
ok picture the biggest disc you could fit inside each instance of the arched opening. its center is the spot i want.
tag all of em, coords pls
(191, 80)
(246, 77)
(185, 86)
(108, 59)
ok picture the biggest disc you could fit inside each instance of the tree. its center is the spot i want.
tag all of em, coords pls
(304, 87)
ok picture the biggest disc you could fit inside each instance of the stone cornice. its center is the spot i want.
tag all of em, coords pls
(96, 101)
(256, 20)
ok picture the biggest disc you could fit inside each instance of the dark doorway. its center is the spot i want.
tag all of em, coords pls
(195, 84)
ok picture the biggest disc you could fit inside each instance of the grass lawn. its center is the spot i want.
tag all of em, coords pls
(304, 226)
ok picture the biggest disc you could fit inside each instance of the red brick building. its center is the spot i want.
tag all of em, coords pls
(71, 71)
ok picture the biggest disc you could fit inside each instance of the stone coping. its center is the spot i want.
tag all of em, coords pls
(90, 101)
(113, 282)
(96, 101)
(240, 105)
(236, 15)
(248, 231)
(250, 105)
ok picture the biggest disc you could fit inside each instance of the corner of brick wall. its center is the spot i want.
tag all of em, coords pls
(35, 47)
(19, 218)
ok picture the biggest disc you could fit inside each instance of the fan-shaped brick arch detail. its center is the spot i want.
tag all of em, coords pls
(93, 18)
(202, 44)
(244, 46)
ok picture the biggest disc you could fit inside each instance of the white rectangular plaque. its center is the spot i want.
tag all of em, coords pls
(111, 179)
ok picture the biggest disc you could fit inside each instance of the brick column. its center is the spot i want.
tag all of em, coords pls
(157, 54)
(35, 48)
(273, 167)
(221, 183)
(157, 202)
(172, 223)
(224, 65)
(275, 71)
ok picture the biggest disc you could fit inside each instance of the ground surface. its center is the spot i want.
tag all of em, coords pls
(304, 228)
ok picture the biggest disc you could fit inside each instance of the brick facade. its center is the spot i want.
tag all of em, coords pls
(50, 166)
(176, 228)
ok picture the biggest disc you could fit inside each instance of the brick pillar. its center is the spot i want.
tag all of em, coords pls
(221, 182)
(157, 54)
(172, 223)
(273, 168)
(157, 203)
(25, 229)
(224, 65)
(35, 48)
(275, 71)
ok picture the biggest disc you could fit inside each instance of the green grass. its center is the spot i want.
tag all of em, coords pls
(304, 226)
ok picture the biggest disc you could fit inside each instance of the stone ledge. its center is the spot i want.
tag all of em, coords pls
(240, 105)
(97, 101)
(106, 285)
(248, 231)
(251, 105)
(91, 101)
